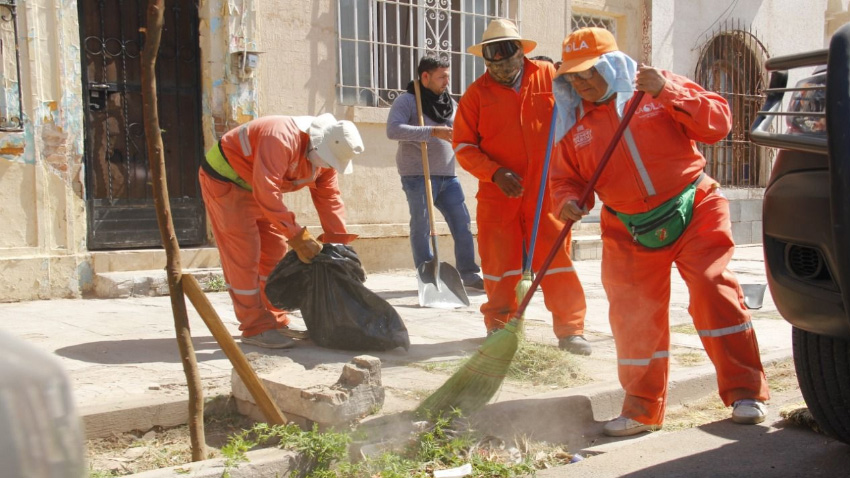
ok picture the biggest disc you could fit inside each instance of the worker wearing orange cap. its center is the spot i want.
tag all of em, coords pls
(660, 209)
(243, 180)
(500, 136)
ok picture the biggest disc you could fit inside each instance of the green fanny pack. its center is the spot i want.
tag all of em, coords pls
(664, 224)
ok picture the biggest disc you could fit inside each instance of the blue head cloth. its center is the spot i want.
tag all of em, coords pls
(618, 70)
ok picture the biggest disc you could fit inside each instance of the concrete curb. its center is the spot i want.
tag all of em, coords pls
(265, 463)
(582, 411)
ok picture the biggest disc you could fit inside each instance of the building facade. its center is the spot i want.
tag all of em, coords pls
(76, 194)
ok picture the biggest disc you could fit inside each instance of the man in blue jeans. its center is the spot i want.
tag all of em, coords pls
(438, 110)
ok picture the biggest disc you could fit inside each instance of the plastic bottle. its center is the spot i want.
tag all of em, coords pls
(40, 431)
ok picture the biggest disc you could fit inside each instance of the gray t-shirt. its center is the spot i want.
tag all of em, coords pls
(403, 126)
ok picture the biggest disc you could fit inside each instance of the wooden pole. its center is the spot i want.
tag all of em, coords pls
(173, 269)
(196, 295)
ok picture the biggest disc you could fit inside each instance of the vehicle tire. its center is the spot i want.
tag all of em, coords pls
(823, 371)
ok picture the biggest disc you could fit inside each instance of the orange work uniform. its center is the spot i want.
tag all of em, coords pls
(653, 162)
(497, 126)
(251, 227)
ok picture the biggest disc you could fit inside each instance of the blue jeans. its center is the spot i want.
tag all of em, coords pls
(449, 200)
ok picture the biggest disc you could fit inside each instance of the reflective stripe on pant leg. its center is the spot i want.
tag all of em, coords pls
(717, 302)
(637, 283)
(272, 249)
(233, 213)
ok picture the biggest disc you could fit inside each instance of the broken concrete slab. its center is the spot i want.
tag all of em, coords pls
(326, 395)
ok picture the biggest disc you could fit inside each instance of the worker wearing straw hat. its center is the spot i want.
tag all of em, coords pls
(500, 137)
(243, 179)
(660, 209)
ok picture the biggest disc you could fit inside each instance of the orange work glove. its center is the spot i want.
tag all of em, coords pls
(305, 246)
(335, 238)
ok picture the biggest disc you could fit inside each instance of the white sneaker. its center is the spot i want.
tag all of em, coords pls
(623, 427)
(748, 411)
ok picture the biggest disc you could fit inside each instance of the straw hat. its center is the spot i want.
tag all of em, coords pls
(500, 30)
(336, 141)
(582, 49)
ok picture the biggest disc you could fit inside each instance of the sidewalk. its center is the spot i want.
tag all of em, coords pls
(121, 353)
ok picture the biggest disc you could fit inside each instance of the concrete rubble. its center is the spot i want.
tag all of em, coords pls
(309, 397)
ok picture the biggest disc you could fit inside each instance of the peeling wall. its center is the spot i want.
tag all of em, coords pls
(41, 167)
(44, 255)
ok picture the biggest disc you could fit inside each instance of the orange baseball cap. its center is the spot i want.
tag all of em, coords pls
(582, 49)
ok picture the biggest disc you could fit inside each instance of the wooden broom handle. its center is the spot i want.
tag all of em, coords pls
(196, 295)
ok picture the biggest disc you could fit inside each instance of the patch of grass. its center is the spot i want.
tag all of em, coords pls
(442, 366)
(534, 363)
(688, 329)
(766, 314)
(541, 364)
(781, 376)
(690, 359)
(321, 449)
(700, 412)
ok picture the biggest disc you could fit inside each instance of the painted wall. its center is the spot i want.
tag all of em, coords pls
(42, 246)
(43, 252)
(679, 28)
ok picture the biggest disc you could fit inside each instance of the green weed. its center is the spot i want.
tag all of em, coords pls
(216, 284)
(447, 443)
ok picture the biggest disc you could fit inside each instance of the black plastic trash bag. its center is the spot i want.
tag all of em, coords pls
(339, 311)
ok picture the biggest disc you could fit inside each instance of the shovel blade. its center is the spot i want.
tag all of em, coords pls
(440, 286)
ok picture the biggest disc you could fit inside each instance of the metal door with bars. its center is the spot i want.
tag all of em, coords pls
(119, 196)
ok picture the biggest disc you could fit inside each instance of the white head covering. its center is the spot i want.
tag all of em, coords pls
(335, 141)
(618, 70)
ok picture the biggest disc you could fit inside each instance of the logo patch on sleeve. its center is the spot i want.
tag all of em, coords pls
(582, 137)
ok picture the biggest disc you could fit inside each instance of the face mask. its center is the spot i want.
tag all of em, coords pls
(505, 71)
(314, 158)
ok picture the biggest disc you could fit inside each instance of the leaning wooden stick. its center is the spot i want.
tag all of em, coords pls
(196, 295)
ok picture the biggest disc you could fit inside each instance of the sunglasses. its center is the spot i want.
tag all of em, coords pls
(584, 75)
(502, 49)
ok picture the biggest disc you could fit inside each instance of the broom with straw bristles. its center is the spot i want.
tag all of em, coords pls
(482, 375)
(524, 284)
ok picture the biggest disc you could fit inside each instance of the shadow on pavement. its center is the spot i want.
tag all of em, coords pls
(789, 451)
(126, 352)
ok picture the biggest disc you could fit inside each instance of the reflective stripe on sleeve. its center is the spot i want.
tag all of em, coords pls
(243, 140)
(726, 330)
(463, 145)
(644, 362)
(641, 168)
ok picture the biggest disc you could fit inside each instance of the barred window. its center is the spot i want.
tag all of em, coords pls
(580, 20)
(10, 70)
(381, 41)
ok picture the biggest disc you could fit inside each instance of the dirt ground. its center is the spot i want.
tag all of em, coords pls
(131, 453)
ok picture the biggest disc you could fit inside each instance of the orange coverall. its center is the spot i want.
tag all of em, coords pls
(655, 160)
(497, 127)
(251, 227)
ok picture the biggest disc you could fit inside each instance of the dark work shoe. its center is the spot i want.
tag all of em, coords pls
(575, 344)
(476, 283)
(269, 339)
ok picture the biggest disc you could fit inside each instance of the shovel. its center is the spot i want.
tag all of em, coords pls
(439, 282)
